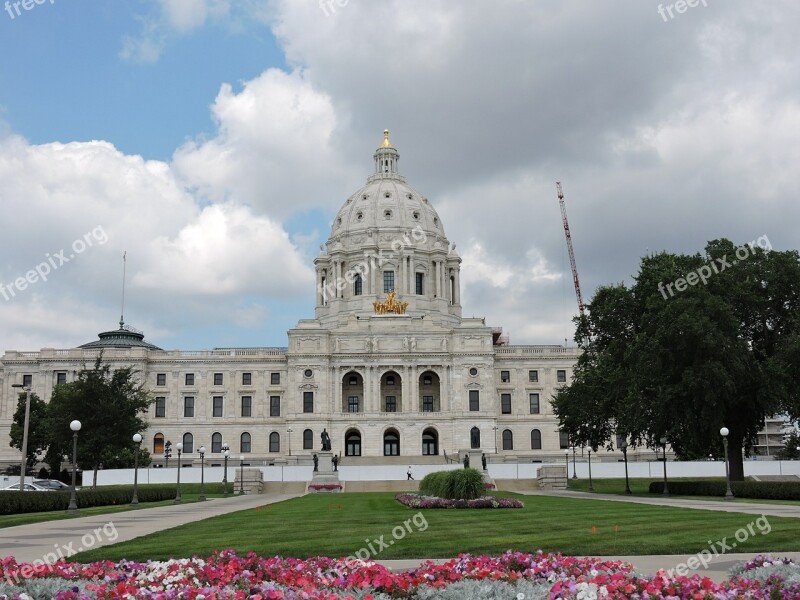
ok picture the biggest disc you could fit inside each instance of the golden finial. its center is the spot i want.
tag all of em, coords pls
(386, 142)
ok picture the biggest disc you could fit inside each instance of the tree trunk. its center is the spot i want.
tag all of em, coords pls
(94, 477)
(735, 461)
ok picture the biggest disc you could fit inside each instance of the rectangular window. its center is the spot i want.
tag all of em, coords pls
(420, 281)
(561, 376)
(352, 404)
(474, 400)
(161, 379)
(27, 380)
(388, 281)
(217, 378)
(275, 406)
(216, 404)
(534, 402)
(61, 377)
(247, 379)
(308, 402)
(161, 406)
(427, 404)
(189, 379)
(563, 440)
(274, 378)
(358, 286)
(391, 404)
(505, 404)
(188, 406)
(533, 376)
(505, 376)
(247, 406)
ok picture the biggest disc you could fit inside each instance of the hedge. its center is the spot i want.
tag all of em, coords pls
(458, 484)
(15, 502)
(763, 490)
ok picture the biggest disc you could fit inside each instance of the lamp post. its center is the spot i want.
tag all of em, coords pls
(495, 438)
(591, 489)
(226, 452)
(202, 497)
(179, 448)
(574, 472)
(728, 493)
(23, 463)
(566, 462)
(72, 509)
(624, 447)
(241, 474)
(289, 431)
(664, 447)
(137, 439)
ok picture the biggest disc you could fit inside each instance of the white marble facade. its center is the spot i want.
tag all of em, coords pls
(408, 378)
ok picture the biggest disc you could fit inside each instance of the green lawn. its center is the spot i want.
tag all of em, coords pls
(189, 493)
(340, 524)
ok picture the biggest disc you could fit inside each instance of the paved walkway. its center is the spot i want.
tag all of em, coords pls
(39, 540)
(750, 508)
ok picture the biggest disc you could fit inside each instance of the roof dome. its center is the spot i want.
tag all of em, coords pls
(124, 337)
(386, 202)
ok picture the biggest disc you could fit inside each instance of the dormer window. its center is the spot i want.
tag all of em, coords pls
(387, 214)
(359, 216)
(415, 214)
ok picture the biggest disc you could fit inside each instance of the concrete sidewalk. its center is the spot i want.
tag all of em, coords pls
(750, 508)
(68, 536)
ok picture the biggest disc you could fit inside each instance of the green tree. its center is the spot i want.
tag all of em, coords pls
(791, 449)
(109, 405)
(682, 362)
(38, 437)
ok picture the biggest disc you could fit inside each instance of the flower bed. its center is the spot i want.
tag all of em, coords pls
(417, 501)
(325, 486)
(226, 576)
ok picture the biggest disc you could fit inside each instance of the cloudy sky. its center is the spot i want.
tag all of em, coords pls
(214, 141)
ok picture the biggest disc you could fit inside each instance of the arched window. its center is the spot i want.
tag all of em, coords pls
(358, 285)
(188, 443)
(352, 443)
(536, 439)
(244, 442)
(274, 442)
(216, 442)
(475, 438)
(391, 443)
(508, 439)
(308, 440)
(430, 442)
(158, 443)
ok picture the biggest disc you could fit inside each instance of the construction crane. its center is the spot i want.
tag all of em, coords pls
(576, 281)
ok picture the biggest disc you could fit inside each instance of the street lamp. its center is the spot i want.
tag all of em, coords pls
(289, 431)
(137, 439)
(624, 447)
(574, 472)
(72, 509)
(495, 438)
(591, 489)
(179, 448)
(226, 452)
(664, 446)
(23, 465)
(566, 462)
(728, 493)
(241, 474)
(202, 474)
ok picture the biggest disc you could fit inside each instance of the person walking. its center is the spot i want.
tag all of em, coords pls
(409, 477)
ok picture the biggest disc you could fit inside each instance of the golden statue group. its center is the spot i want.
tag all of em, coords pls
(390, 306)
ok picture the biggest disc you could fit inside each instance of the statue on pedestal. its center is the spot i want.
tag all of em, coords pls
(316, 463)
(335, 461)
(326, 441)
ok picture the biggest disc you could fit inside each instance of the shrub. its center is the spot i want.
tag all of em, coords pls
(764, 490)
(459, 484)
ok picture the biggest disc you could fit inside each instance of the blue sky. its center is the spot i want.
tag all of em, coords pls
(214, 141)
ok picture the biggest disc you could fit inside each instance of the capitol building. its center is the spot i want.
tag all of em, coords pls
(387, 365)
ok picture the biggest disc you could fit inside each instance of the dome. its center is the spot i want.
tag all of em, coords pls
(386, 203)
(124, 337)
